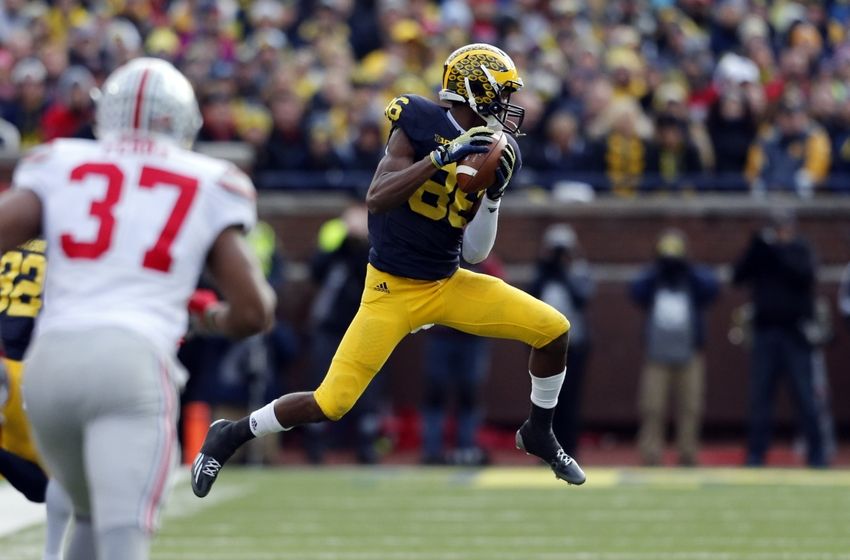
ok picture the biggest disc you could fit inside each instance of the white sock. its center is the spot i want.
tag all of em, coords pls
(545, 390)
(264, 422)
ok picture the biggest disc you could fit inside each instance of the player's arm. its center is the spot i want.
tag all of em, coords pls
(398, 176)
(20, 218)
(480, 234)
(249, 301)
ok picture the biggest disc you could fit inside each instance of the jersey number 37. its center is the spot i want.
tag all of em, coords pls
(157, 257)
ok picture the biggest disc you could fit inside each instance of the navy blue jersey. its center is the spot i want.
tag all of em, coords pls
(422, 238)
(21, 282)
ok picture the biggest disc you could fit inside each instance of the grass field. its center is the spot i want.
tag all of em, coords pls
(502, 514)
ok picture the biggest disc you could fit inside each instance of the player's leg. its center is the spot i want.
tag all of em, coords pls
(18, 456)
(82, 545)
(130, 446)
(486, 306)
(25, 476)
(57, 420)
(58, 506)
(379, 325)
(130, 477)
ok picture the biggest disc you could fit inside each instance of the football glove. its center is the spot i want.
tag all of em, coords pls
(503, 173)
(202, 305)
(473, 141)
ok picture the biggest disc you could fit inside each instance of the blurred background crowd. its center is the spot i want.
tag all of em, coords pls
(626, 97)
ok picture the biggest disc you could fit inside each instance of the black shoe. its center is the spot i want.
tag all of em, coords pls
(544, 445)
(215, 452)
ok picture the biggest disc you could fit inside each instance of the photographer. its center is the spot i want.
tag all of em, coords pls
(779, 267)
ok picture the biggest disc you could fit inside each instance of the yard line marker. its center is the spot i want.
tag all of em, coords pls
(530, 477)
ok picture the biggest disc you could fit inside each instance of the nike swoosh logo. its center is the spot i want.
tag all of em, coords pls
(491, 210)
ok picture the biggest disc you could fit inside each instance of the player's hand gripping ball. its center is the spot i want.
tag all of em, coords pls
(480, 170)
(473, 141)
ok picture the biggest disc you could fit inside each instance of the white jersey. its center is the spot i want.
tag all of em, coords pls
(128, 224)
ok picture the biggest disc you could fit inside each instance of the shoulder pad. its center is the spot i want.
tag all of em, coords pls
(412, 110)
(38, 154)
(235, 181)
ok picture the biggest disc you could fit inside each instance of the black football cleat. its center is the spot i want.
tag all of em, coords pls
(214, 453)
(544, 445)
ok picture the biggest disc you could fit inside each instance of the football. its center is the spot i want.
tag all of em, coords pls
(478, 171)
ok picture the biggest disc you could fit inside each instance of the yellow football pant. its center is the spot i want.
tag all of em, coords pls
(393, 306)
(16, 436)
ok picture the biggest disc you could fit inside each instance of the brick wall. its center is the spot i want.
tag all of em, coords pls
(617, 236)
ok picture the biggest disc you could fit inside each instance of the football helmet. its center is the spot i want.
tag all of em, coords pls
(484, 77)
(150, 95)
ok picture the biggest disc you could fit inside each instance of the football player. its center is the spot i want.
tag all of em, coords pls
(21, 281)
(130, 220)
(419, 224)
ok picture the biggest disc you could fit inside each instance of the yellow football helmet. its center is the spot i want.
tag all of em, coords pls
(484, 77)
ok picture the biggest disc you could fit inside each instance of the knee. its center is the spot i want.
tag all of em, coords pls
(558, 346)
(333, 411)
(333, 406)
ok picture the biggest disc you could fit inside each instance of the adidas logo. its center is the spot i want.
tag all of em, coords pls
(382, 287)
(253, 424)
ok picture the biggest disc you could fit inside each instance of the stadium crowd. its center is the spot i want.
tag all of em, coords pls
(623, 96)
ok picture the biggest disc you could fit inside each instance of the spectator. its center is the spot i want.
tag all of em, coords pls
(732, 126)
(30, 104)
(562, 279)
(219, 122)
(675, 294)
(322, 156)
(623, 152)
(286, 148)
(840, 140)
(367, 148)
(675, 159)
(563, 150)
(576, 57)
(779, 267)
(71, 113)
(793, 156)
(455, 361)
(670, 100)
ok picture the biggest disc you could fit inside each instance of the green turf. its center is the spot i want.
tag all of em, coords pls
(445, 514)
